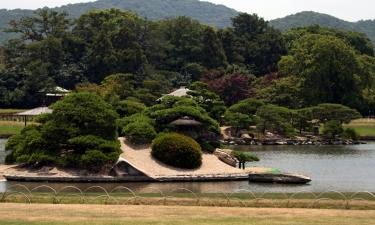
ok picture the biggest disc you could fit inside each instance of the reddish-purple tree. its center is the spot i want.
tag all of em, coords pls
(232, 88)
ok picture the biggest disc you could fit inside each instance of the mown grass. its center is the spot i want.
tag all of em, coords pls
(16, 214)
(330, 200)
(364, 127)
(11, 111)
(11, 127)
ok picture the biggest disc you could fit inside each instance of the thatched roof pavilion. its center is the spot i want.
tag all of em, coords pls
(186, 122)
(181, 92)
(34, 112)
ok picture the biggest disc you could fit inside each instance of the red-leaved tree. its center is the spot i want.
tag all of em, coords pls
(232, 88)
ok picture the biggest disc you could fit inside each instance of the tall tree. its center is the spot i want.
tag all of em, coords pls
(213, 55)
(328, 66)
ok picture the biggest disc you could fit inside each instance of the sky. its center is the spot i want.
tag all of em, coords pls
(349, 10)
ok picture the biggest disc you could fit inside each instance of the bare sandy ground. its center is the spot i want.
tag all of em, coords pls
(182, 215)
(17, 171)
(140, 157)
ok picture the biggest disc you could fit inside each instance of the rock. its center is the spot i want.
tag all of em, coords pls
(246, 136)
(226, 157)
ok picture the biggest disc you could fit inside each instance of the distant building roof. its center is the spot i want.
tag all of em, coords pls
(186, 121)
(56, 91)
(181, 92)
(35, 112)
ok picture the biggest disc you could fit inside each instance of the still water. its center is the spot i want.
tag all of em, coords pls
(340, 168)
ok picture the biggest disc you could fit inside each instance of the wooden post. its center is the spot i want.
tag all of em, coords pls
(25, 120)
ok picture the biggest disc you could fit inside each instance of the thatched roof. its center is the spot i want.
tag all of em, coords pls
(35, 112)
(56, 91)
(181, 92)
(186, 121)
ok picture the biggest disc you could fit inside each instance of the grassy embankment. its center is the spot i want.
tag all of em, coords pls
(10, 127)
(364, 127)
(330, 200)
(17, 214)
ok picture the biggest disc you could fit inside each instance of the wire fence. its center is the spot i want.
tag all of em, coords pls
(122, 195)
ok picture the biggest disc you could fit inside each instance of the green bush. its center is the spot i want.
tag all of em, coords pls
(245, 157)
(332, 129)
(129, 107)
(136, 118)
(350, 133)
(93, 160)
(139, 133)
(81, 144)
(177, 150)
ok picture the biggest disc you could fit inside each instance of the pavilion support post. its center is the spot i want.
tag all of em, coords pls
(25, 117)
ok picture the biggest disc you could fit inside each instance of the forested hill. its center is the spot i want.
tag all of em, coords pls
(205, 12)
(311, 18)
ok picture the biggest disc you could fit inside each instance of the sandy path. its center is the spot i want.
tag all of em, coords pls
(141, 158)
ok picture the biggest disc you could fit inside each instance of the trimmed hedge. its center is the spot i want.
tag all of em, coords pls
(139, 133)
(177, 150)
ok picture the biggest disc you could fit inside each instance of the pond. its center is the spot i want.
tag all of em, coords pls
(340, 168)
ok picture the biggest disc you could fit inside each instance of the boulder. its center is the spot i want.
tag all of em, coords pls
(226, 157)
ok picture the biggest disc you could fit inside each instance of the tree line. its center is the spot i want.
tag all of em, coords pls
(123, 57)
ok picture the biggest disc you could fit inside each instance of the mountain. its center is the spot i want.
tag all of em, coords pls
(205, 12)
(312, 18)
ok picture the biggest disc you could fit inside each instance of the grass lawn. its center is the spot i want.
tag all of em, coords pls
(10, 127)
(10, 111)
(364, 127)
(17, 214)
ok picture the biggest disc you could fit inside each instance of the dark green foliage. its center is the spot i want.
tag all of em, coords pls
(327, 66)
(81, 127)
(94, 159)
(209, 147)
(205, 12)
(359, 41)
(135, 118)
(327, 112)
(238, 120)
(166, 116)
(177, 150)
(139, 133)
(208, 100)
(286, 91)
(86, 112)
(261, 45)
(247, 106)
(129, 107)
(275, 118)
(27, 146)
(350, 133)
(332, 129)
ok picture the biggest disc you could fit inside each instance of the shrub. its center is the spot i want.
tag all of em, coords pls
(245, 157)
(93, 160)
(136, 118)
(129, 107)
(332, 129)
(350, 133)
(83, 143)
(177, 150)
(207, 147)
(139, 133)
